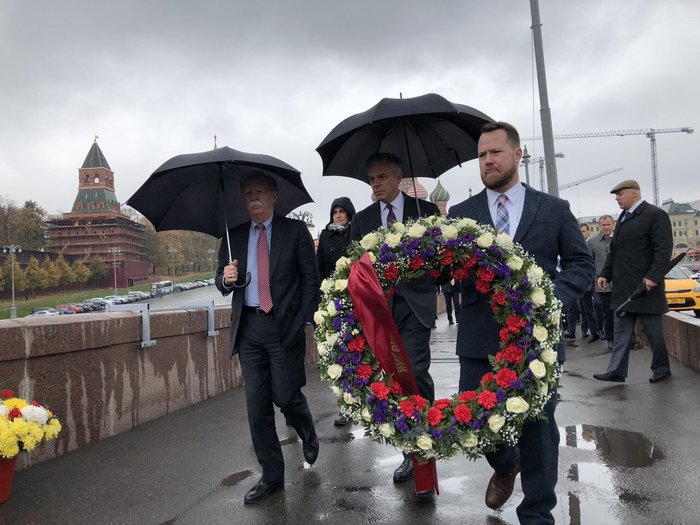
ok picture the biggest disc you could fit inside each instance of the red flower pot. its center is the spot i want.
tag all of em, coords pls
(7, 472)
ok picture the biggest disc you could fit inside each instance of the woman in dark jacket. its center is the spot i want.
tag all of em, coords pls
(335, 237)
(332, 242)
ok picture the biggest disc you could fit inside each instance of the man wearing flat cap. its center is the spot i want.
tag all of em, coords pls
(640, 251)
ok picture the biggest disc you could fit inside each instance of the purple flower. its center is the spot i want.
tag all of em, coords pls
(514, 295)
(360, 382)
(337, 323)
(342, 359)
(355, 358)
(500, 395)
(401, 425)
(468, 238)
(437, 433)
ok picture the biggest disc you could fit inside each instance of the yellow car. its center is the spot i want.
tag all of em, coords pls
(682, 291)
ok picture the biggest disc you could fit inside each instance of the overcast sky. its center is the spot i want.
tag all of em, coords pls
(156, 79)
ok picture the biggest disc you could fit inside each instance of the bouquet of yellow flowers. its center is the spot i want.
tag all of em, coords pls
(23, 425)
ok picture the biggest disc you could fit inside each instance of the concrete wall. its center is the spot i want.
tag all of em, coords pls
(682, 339)
(91, 371)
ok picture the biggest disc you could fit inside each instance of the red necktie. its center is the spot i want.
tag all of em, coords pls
(264, 295)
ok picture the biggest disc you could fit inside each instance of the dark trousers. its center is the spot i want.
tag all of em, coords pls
(450, 299)
(571, 318)
(624, 328)
(416, 340)
(273, 376)
(588, 322)
(608, 316)
(537, 451)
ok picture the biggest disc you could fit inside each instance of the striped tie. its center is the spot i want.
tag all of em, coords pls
(390, 218)
(264, 295)
(502, 222)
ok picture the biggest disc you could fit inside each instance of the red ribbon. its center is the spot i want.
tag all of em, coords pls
(383, 338)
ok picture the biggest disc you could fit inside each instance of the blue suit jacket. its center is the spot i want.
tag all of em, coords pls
(550, 233)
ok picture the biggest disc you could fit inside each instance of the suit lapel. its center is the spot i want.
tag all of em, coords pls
(530, 206)
(483, 215)
(410, 208)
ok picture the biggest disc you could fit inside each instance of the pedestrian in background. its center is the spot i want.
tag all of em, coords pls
(332, 244)
(588, 322)
(450, 293)
(640, 252)
(600, 246)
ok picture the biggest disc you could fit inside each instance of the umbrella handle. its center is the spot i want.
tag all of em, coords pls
(246, 283)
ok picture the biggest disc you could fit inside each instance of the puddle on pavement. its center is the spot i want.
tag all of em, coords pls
(236, 478)
(600, 491)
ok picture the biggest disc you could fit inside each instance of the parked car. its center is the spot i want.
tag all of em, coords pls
(44, 312)
(682, 291)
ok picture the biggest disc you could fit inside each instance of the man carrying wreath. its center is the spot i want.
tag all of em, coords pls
(547, 230)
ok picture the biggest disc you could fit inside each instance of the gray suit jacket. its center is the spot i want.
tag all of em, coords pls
(550, 233)
(419, 293)
(600, 245)
(294, 281)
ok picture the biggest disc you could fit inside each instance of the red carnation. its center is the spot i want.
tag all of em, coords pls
(357, 344)
(510, 354)
(396, 388)
(515, 323)
(380, 390)
(389, 292)
(487, 399)
(504, 334)
(487, 378)
(406, 407)
(467, 395)
(460, 274)
(442, 404)
(470, 263)
(364, 371)
(505, 376)
(463, 414)
(7, 393)
(391, 272)
(434, 416)
(416, 263)
(419, 401)
(434, 274)
(499, 298)
(485, 273)
(448, 258)
(15, 412)
(483, 287)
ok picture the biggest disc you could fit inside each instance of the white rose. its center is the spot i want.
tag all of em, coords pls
(319, 316)
(538, 297)
(335, 389)
(4, 410)
(504, 241)
(38, 415)
(538, 368)
(399, 227)
(548, 356)
(393, 240)
(470, 441)
(331, 308)
(349, 398)
(544, 389)
(416, 231)
(326, 285)
(424, 442)
(342, 263)
(331, 338)
(514, 262)
(540, 333)
(484, 240)
(516, 405)
(323, 348)
(387, 430)
(535, 274)
(366, 414)
(334, 371)
(449, 231)
(341, 284)
(496, 422)
(369, 241)
(555, 318)
(466, 223)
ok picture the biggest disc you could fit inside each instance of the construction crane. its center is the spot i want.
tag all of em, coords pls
(587, 179)
(650, 134)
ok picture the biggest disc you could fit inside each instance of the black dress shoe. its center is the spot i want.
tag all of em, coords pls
(567, 335)
(609, 377)
(261, 491)
(405, 471)
(660, 377)
(311, 450)
(500, 488)
(593, 338)
(424, 493)
(341, 421)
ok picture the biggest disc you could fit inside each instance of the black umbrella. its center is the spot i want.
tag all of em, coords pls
(201, 191)
(641, 289)
(429, 133)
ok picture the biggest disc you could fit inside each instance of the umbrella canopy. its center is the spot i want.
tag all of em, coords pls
(429, 134)
(201, 191)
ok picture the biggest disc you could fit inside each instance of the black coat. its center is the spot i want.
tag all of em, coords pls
(641, 247)
(331, 247)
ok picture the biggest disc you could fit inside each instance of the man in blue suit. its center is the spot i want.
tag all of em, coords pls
(546, 228)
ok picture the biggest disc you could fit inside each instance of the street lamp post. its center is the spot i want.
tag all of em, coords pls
(12, 249)
(114, 251)
(526, 162)
(211, 253)
(172, 252)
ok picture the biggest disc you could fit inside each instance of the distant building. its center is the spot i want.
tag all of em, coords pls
(440, 197)
(96, 226)
(685, 221)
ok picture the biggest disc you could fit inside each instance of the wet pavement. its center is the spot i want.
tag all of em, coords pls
(628, 455)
